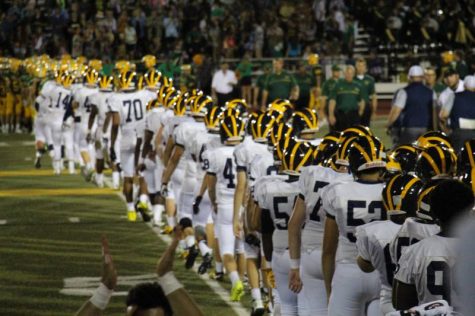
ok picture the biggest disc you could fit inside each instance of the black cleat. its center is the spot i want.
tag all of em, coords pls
(190, 260)
(206, 264)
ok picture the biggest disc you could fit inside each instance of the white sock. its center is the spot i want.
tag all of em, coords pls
(190, 241)
(38, 154)
(100, 178)
(204, 249)
(157, 213)
(115, 179)
(234, 276)
(256, 294)
(218, 267)
(71, 166)
(89, 166)
(171, 221)
(130, 206)
(143, 198)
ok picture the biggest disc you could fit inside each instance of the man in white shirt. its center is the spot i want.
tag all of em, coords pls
(223, 84)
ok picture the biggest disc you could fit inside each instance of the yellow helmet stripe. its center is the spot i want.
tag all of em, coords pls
(292, 156)
(388, 193)
(226, 129)
(372, 147)
(332, 138)
(304, 160)
(472, 174)
(259, 123)
(431, 162)
(362, 151)
(268, 128)
(442, 158)
(305, 118)
(405, 190)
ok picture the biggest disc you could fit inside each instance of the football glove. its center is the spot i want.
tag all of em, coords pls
(164, 190)
(112, 155)
(196, 204)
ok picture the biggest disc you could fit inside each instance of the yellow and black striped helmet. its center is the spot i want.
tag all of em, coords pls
(326, 149)
(153, 104)
(261, 127)
(231, 129)
(423, 199)
(90, 77)
(177, 101)
(106, 83)
(296, 154)
(240, 105)
(151, 79)
(366, 152)
(406, 156)
(200, 106)
(212, 119)
(466, 157)
(67, 80)
(128, 81)
(305, 123)
(163, 93)
(400, 194)
(432, 138)
(436, 162)
(282, 109)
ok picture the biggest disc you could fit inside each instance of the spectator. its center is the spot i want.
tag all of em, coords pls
(346, 102)
(413, 110)
(279, 85)
(223, 84)
(275, 40)
(244, 73)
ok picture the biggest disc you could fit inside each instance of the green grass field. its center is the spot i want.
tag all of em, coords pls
(50, 230)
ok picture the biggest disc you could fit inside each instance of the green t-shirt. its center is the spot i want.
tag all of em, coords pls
(245, 69)
(305, 82)
(347, 95)
(328, 87)
(367, 86)
(261, 81)
(279, 86)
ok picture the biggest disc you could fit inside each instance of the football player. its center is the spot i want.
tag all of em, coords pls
(305, 245)
(372, 239)
(102, 132)
(436, 162)
(348, 205)
(82, 108)
(275, 197)
(424, 269)
(222, 180)
(128, 113)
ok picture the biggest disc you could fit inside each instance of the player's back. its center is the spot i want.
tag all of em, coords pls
(99, 100)
(277, 194)
(221, 164)
(60, 98)
(412, 231)
(130, 107)
(262, 165)
(202, 143)
(246, 151)
(352, 204)
(83, 97)
(429, 265)
(373, 244)
(312, 181)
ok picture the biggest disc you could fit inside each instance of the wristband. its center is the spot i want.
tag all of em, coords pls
(169, 283)
(294, 263)
(101, 297)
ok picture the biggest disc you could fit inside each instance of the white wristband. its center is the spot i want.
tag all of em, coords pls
(294, 263)
(169, 283)
(101, 297)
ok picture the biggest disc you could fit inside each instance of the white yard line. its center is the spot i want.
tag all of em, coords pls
(237, 307)
(74, 219)
(3, 221)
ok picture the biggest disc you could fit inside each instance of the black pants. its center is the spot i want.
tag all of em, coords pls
(346, 119)
(302, 102)
(224, 97)
(366, 117)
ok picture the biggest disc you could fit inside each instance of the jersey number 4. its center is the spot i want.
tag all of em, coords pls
(228, 173)
(136, 107)
(318, 205)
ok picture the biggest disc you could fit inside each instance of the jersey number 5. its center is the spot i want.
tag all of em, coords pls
(353, 222)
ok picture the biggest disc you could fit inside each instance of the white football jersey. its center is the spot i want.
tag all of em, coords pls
(201, 144)
(99, 99)
(246, 151)
(183, 136)
(372, 241)
(276, 195)
(60, 99)
(429, 266)
(222, 165)
(82, 97)
(312, 180)
(153, 122)
(43, 106)
(173, 123)
(412, 231)
(352, 204)
(261, 165)
(47, 87)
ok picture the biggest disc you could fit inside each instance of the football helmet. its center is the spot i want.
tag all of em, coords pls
(200, 106)
(212, 119)
(67, 80)
(240, 105)
(106, 83)
(305, 123)
(423, 199)
(466, 157)
(90, 77)
(177, 101)
(432, 138)
(296, 155)
(128, 81)
(282, 109)
(163, 92)
(279, 131)
(326, 148)
(165, 81)
(436, 162)
(151, 79)
(356, 130)
(261, 127)
(406, 156)
(153, 104)
(392, 166)
(231, 129)
(400, 194)
(366, 152)
(340, 158)
(149, 61)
